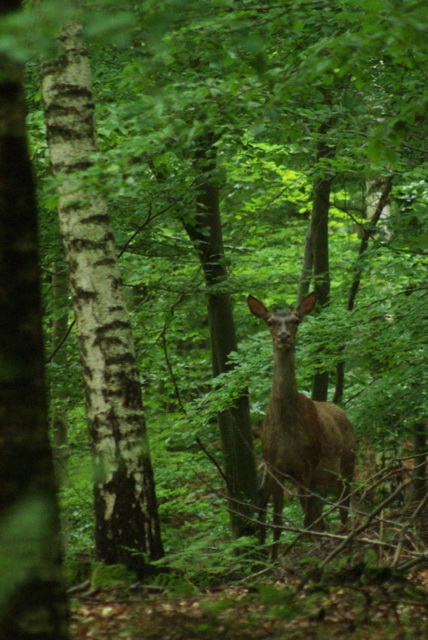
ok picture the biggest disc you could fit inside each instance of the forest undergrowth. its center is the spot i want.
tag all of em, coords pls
(282, 604)
(367, 580)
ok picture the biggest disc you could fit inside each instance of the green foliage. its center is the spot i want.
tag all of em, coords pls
(76, 495)
(76, 569)
(175, 584)
(26, 541)
(208, 559)
(104, 22)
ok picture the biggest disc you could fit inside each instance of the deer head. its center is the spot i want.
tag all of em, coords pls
(282, 324)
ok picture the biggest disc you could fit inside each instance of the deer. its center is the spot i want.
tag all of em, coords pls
(308, 443)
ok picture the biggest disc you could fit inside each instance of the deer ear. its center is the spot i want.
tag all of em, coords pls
(257, 308)
(307, 305)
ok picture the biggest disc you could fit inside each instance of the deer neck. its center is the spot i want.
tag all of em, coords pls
(285, 396)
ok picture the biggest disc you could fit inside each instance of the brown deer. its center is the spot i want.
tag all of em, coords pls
(308, 443)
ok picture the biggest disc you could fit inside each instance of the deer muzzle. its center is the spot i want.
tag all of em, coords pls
(284, 339)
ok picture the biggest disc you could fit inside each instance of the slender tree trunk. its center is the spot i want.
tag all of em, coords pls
(319, 233)
(32, 600)
(420, 472)
(307, 266)
(234, 423)
(367, 234)
(356, 281)
(125, 503)
(59, 418)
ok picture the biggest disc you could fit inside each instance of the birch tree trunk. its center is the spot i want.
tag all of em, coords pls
(125, 503)
(32, 600)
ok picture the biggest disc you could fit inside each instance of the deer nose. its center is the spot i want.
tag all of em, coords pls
(284, 336)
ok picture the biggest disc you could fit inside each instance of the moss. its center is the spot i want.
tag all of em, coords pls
(114, 575)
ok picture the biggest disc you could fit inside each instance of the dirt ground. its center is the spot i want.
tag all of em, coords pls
(361, 607)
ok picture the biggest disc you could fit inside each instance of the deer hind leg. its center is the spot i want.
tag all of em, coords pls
(278, 504)
(312, 508)
(345, 486)
(344, 496)
(263, 501)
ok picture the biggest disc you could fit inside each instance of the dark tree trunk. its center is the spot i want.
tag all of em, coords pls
(205, 233)
(320, 212)
(33, 601)
(319, 234)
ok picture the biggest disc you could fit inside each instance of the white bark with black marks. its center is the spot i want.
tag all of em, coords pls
(124, 493)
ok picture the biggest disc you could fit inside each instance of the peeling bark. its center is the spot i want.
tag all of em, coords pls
(125, 503)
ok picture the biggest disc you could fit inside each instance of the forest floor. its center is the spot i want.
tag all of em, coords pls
(355, 604)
